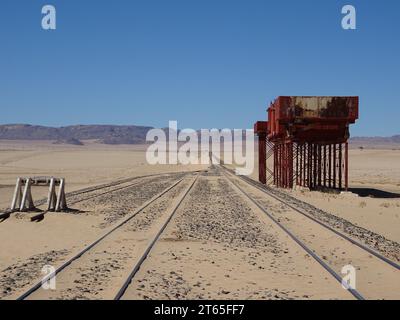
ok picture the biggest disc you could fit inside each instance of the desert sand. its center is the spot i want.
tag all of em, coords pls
(81, 166)
(374, 198)
(217, 246)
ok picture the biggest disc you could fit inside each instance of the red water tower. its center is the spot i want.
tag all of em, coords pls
(308, 140)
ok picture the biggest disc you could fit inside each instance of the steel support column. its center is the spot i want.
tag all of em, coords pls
(310, 165)
(340, 166)
(330, 165)
(346, 166)
(290, 165)
(315, 169)
(301, 164)
(334, 165)
(304, 164)
(324, 165)
(262, 158)
(319, 165)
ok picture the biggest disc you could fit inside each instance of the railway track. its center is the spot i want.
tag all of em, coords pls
(77, 256)
(126, 292)
(137, 266)
(384, 261)
(234, 181)
(117, 183)
(340, 234)
(354, 292)
(138, 180)
(90, 190)
(98, 241)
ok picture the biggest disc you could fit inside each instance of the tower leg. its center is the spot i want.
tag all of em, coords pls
(324, 160)
(340, 166)
(346, 166)
(304, 165)
(300, 161)
(330, 166)
(290, 175)
(319, 165)
(315, 166)
(334, 165)
(262, 158)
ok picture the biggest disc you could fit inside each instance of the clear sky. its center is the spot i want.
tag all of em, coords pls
(205, 63)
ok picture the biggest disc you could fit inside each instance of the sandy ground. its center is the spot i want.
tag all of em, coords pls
(101, 272)
(378, 170)
(82, 166)
(218, 246)
(375, 279)
(25, 247)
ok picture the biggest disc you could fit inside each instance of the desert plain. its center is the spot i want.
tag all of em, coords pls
(218, 245)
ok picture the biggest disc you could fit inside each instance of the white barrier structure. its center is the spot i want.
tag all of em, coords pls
(23, 201)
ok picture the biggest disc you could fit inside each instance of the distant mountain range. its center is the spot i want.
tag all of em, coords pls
(375, 141)
(106, 134)
(115, 135)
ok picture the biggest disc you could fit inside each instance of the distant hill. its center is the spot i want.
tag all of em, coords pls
(376, 142)
(115, 135)
(393, 139)
(106, 134)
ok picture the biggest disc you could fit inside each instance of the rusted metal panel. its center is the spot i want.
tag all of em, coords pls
(318, 127)
(311, 118)
(318, 107)
(261, 127)
(262, 158)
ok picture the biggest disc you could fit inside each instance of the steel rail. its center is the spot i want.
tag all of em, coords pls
(118, 182)
(41, 215)
(137, 266)
(86, 249)
(353, 291)
(40, 202)
(356, 243)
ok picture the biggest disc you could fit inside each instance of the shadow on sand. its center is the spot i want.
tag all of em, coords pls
(38, 217)
(374, 193)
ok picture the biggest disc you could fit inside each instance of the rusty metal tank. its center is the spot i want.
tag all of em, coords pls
(312, 118)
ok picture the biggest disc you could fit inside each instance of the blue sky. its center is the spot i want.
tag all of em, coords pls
(205, 63)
